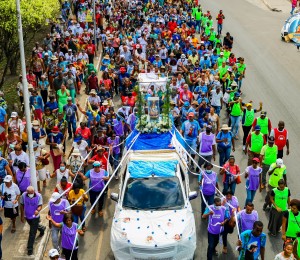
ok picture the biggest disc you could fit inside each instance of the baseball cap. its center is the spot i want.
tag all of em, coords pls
(271, 139)
(255, 160)
(279, 162)
(186, 104)
(249, 105)
(54, 197)
(97, 163)
(7, 178)
(263, 113)
(237, 94)
(53, 252)
(257, 127)
(69, 98)
(14, 114)
(191, 114)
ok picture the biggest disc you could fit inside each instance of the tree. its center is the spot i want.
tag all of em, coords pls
(35, 15)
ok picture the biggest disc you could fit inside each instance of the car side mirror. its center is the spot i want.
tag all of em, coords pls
(114, 196)
(193, 195)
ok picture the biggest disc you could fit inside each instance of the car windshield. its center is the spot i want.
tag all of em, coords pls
(154, 193)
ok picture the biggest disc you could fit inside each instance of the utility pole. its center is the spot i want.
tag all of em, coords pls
(95, 24)
(26, 99)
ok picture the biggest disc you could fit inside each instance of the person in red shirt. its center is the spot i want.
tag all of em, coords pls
(90, 50)
(85, 132)
(281, 137)
(185, 95)
(63, 187)
(93, 82)
(100, 156)
(172, 25)
(31, 78)
(220, 18)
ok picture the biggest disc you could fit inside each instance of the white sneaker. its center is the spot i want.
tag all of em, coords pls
(244, 147)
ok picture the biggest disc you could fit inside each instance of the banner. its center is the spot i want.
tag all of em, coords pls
(146, 80)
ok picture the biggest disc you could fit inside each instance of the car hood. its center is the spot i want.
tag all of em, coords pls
(152, 228)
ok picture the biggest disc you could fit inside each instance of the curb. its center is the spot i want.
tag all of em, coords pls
(43, 245)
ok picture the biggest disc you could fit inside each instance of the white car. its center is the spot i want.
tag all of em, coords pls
(286, 26)
(153, 217)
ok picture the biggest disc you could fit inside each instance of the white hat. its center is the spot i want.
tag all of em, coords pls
(221, 53)
(76, 152)
(35, 122)
(279, 162)
(53, 252)
(105, 103)
(78, 25)
(182, 56)
(14, 114)
(54, 197)
(35, 144)
(93, 91)
(7, 178)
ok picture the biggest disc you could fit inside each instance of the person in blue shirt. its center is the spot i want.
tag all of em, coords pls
(54, 139)
(71, 112)
(214, 57)
(205, 62)
(37, 103)
(52, 104)
(157, 62)
(190, 130)
(225, 144)
(252, 243)
(37, 132)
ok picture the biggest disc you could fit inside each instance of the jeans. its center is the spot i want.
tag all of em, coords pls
(213, 241)
(71, 126)
(235, 123)
(198, 25)
(76, 218)
(217, 109)
(224, 154)
(114, 160)
(250, 195)
(93, 197)
(209, 199)
(227, 186)
(191, 144)
(220, 27)
(55, 237)
(34, 227)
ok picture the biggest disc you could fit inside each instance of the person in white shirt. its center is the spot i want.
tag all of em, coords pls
(78, 29)
(217, 99)
(125, 110)
(10, 193)
(17, 156)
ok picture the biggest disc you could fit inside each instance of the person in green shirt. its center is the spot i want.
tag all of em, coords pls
(198, 18)
(235, 115)
(241, 68)
(221, 60)
(268, 155)
(212, 35)
(280, 199)
(291, 221)
(276, 172)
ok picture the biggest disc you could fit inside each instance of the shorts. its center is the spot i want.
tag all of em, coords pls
(9, 213)
(41, 174)
(191, 144)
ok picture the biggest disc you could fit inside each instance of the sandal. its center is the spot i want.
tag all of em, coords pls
(84, 229)
(100, 213)
(13, 230)
(93, 211)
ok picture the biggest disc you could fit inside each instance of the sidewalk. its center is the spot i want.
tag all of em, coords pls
(283, 6)
(14, 246)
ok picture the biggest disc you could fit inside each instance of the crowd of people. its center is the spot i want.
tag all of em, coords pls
(173, 39)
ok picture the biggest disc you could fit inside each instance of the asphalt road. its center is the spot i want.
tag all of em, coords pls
(272, 77)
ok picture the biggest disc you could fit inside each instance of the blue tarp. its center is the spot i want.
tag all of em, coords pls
(143, 169)
(151, 141)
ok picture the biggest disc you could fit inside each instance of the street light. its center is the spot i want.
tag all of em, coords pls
(26, 99)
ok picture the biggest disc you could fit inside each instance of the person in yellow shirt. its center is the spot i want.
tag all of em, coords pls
(194, 41)
(77, 199)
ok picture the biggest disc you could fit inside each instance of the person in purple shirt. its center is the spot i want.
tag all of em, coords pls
(253, 176)
(31, 205)
(247, 217)
(208, 181)
(23, 176)
(115, 150)
(57, 208)
(217, 216)
(69, 240)
(232, 204)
